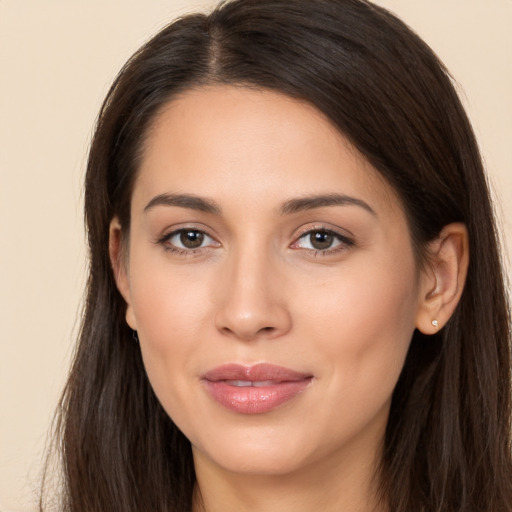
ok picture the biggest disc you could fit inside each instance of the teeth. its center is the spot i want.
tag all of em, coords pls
(239, 383)
(248, 383)
(261, 383)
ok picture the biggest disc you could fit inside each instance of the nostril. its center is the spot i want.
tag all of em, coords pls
(250, 321)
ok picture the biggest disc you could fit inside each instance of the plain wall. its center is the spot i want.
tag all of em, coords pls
(57, 59)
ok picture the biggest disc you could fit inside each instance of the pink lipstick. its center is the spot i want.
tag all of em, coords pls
(254, 389)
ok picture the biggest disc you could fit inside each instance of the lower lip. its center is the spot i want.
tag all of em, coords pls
(255, 400)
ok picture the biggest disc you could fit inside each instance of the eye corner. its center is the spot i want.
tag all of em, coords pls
(327, 241)
(187, 241)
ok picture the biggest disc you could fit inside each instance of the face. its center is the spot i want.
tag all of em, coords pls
(270, 275)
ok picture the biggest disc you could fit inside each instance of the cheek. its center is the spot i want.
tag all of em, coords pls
(171, 309)
(165, 299)
(363, 323)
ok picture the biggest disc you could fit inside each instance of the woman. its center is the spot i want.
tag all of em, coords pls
(295, 298)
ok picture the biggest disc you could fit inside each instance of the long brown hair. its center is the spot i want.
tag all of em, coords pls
(447, 445)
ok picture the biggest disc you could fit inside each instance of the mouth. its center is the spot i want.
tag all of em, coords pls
(247, 383)
(254, 389)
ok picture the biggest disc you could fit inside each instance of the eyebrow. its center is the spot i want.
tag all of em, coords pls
(311, 202)
(291, 206)
(184, 201)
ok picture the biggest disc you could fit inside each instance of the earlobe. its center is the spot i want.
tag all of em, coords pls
(443, 281)
(119, 264)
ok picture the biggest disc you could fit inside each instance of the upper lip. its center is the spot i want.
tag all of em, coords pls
(254, 373)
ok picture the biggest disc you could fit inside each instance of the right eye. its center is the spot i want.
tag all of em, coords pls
(188, 239)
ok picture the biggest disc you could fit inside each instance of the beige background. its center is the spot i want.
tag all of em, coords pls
(57, 59)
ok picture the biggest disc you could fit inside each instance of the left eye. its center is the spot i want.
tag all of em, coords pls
(189, 239)
(321, 240)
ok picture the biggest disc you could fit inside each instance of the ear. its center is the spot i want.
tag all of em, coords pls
(119, 260)
(442, 282)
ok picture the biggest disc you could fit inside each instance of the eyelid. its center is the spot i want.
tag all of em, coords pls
(169, 230)
(164, 240)
(343, 233)
(345, 238)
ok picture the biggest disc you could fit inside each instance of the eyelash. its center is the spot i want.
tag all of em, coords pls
(343, 242)
(181, 251)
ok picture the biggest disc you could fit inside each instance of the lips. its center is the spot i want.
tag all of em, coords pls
(254, 389)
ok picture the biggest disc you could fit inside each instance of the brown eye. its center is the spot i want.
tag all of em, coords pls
(188, 239)
(191, 239)
(321, 240)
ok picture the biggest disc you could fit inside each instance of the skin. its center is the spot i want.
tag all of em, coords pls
(256, 290)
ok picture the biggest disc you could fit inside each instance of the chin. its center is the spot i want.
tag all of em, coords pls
(260, 450)
(255, 461)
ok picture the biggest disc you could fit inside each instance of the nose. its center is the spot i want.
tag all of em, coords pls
(252, 299)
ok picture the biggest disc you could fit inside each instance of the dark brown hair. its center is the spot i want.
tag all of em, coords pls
(447, 445)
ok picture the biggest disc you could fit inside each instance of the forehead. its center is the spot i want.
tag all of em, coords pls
(225, 141)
